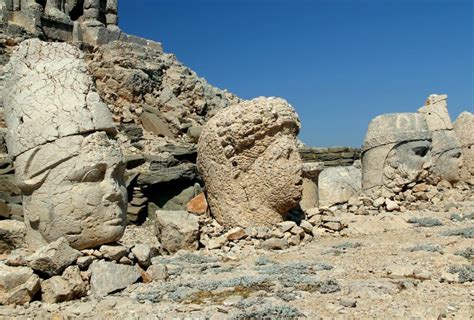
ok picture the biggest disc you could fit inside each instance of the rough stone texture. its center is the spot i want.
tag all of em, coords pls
(12, 235)
(177, 230)
(198, 205)
(18, 285)
(40, 110)
(464, 130)
(135, 80)
(248, 158)
(446, 148)
(330, 157)
(108, 277)
(396, 153)
(310, 196)
(71, 179)
(53, 258)
(339, 184)
(67, 287)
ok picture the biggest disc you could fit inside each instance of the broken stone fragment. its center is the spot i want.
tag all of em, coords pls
(144, 253)
(275, 244)
(198, 205)
(53, 258)
(18, 285)
(12, 236)
(177, 230)
(113, 252)
(108, 277)
(67, 287)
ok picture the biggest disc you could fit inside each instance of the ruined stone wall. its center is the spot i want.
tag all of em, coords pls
(332, 156)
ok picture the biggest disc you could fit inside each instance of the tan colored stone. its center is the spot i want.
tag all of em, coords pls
(464, 130)
(198, 205)
(396, 153)
(248, 158)
(71, 176)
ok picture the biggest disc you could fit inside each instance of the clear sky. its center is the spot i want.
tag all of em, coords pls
(338, 62)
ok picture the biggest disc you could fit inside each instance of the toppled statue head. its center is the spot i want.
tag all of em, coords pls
(464, 130)
(69, 169)
(396, 153)
(446, 149)
(249, 160)
(73, 188)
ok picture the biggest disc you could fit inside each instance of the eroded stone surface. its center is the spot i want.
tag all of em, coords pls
(339, 184)
(446, 149)
(18, 285)
(69, 170)
(396, 153)
(49, 95)
(464, 130)
(248, 157)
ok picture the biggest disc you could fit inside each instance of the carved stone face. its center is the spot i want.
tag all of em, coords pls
(407, 163)
(275, 176)
(249, 160)
(81, 196)
(448, 165)
(396, 153)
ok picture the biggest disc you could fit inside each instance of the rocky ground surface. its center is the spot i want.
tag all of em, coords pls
(416, 264)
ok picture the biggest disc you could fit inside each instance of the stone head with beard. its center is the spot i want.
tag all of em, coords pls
(396, 154)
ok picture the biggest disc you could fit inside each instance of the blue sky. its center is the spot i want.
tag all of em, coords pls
(338, 62)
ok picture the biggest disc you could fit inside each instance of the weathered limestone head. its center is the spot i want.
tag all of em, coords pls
(464, 130)
(396, 153)
(446, 148)
(248, 158)
(69, 170)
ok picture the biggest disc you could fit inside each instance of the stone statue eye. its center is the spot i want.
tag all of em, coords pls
(421, 151)
(89, 174)
(234, 163)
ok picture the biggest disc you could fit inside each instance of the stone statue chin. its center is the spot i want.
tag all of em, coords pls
(73, 188)
(249, 160)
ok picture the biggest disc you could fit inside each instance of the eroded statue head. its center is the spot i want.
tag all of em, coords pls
(249, 160)
(396, 153)
(73, 188)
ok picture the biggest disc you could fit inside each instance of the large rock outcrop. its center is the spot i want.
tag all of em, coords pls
(248, 158)
(69, 170)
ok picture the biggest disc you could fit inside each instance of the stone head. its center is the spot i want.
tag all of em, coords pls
(464, 130)
(69, 170)
(249, 160)
(396, 153)
(73, 188)
(446, 148)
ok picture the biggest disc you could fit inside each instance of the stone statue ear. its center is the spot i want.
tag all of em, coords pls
(28, 186)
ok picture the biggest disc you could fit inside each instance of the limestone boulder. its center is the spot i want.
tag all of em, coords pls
(177, 230)
(339, 184)
(54, 258)
(109, 277)
(18, 285)
(67, 287)
(248, 158)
